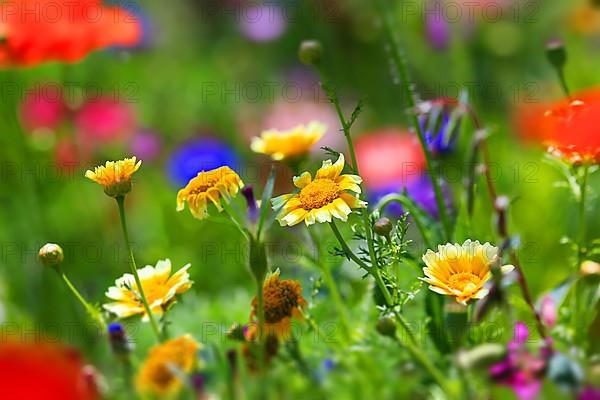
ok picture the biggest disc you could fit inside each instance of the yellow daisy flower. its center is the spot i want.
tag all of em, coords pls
(461, 271)
(160, 373)
(215, 185)
(329, 194)
(160, 288)
(288, 144)
(115, 176)
(282, 301)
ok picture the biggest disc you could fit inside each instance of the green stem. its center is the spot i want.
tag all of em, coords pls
(235, 218)
(88, 307)
(262, 339)
(155, 328)
(398, 59)
(582, 221)
(563, 82)
(390, 198)
(581, 251)
(374, 269)
(421, 357)
(346, 248)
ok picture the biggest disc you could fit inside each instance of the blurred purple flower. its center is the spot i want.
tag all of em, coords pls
(201, 154)
(419, 188)
(262, 23)
(520, 370)
(589, 393)
(253, 211)
(146, 145)
(436, 26)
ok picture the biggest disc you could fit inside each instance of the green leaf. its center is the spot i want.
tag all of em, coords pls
(265, 203)
(434, 306)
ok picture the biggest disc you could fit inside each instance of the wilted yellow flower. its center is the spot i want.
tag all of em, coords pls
(461, 271)
(282, 301)
(288, 144)
(115, 176)
(330, 194)
(160, 373)
(159, 287)
(216, 185)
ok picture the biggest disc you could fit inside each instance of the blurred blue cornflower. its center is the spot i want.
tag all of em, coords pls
(441, 128)
(326, 366)
(196, 155)
(119, 342)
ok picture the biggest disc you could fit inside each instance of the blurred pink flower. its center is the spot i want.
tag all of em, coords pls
(548, 311)
(104, 121)
(43, 109)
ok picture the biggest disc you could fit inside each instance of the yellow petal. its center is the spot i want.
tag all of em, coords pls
(302, 180)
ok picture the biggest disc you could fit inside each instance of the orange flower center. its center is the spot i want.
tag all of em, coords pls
(464, 281)
(207, 183)
(318, 193)
(281, 297)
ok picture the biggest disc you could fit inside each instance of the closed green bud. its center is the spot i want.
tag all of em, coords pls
(386, 326)
(556, 53)
(51, 255)
(310, 52)
(383, 226)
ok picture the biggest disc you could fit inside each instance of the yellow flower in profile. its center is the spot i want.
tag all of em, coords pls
(160, 373)
(329, 194)
(461, 271)
(216, 185)
(160, 288)
(115, 176)
(282, 301)
(291, 143)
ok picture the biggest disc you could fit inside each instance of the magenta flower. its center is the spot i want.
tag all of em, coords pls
(105, 121)
(521, 370)
(43, 110)
(589, 393)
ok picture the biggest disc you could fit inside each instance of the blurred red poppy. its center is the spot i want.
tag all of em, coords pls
(389, 155)
(568, 127)
(43, 371)
(36, 31)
